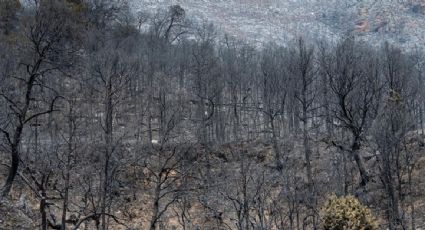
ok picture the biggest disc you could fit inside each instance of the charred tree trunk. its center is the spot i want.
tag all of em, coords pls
(108, 151)
(13, 170)
(155, 211)
(15, 142)
(355, 151)
(67, 177)
(43, 206)
(275, 143)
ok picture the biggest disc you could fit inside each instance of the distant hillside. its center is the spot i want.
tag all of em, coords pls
(400, 22)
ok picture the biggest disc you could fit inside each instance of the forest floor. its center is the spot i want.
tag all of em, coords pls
(21, 211)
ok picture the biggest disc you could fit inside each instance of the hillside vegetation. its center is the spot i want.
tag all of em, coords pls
(280, 21)
(116, 119)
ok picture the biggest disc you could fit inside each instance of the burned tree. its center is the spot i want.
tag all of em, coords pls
(45, 49)
(356, 87)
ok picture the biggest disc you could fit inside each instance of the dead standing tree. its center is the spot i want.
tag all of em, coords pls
(45, 49)
(390, 133)
(164, 162)
(302, 67)
(356, 87)
(113, 67)
(274, 81)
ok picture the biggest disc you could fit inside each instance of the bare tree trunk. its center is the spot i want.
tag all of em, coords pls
(310, 183)
(236, 120)
(43, 207)
(65, 198)
(421, 115)
(155, 211)
(13, 170)
(355, 151)
(150, 107)
(245, 207)
(276, 148)
(204, 131)
(108, 152)
(392, 200)
(345, 168)
(71, 127)
(326, 106)
(412, 203)
(307, 153)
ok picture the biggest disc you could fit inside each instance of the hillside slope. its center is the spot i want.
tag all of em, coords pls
(399, 22)
(251, 162)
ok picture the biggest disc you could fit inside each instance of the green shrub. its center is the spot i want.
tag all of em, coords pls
(347, 213)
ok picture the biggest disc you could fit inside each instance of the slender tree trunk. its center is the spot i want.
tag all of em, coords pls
(421, 109)
(67, 171)
(345, 168)
(307, 153)
(43, 208)
(275, 143)
(245, 207)
(355, 151)
(298, 218)
(328, 118)
(291, 219)
(412, 203)
(66, 192)
(392, 199)
(150, 106)
(65, 199)
(108, 152)
(155, 211)
(204, 128)
(13, 170)
(236, 121)
(218, 121)
(307, 150)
